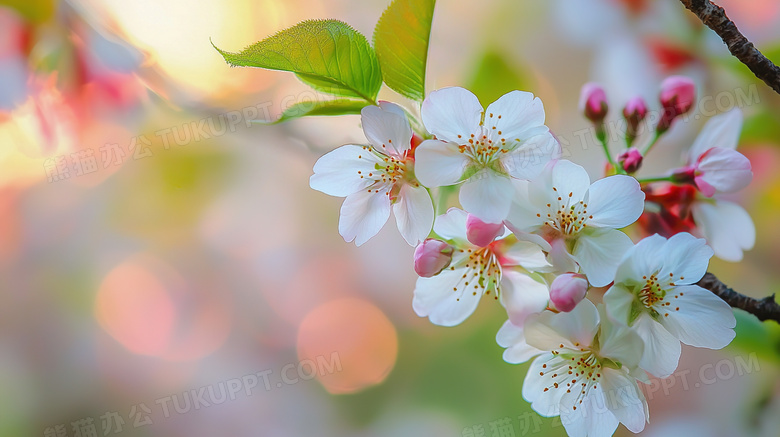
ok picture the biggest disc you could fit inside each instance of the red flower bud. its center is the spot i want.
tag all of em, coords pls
(630, 160)
(593, 102)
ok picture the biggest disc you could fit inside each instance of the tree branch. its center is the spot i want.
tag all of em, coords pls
(715, 18)
(764, 309)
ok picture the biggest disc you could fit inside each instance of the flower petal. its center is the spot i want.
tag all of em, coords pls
(615, 202)
(522, 296)
(514, 115)
(685, 259)
(336, 172)
(435, 298)
(645, 258)
(728, 228)
(530, 157)
(591, 418)
(725, 170)
(721, 130)
(362, 215)
(548, 330)
(699, 318)
(662, 349)
(539, 390)
(619, 302)
(453, 111)
(569, 182)
(517, 351)
(526, 254)
(522, 215)
(387, 131)
(438, 163)
(487, 195)
(413, 213)
(619, 342)
(452, 225)
(599, 252)
(625, 400)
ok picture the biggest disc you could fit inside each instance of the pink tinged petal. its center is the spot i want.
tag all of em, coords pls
(720, 131)
(438, 163)
(362, 215)
(615, 202)
(645, 258)
(435, 298)
(661, 349)
(529, 159)
(548, 330)
(487, 195)
(480, 233)
(514, 115)
(387, 131)
(723, 170)
(685, 259)
(599, 253)
(413, 213)
(336, 172)
(705, 188)
(450, 112)
(526, 254)
(728, 228)
(625, 400)
(540, 377)
(699, 318)
(522, 296)
(568, 178)
(517, 351)
(619, 301)
(452, 225)
(567, 290)
(591, 418)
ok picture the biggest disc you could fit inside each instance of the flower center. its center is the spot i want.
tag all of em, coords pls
(572, 372)
(482, 149)
(482, 272)
(568, 219)
(653, 294)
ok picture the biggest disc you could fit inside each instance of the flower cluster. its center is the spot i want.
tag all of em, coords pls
(594, 311)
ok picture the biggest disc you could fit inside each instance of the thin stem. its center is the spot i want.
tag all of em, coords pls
(653, 141)
(602, 138)
(655, 179)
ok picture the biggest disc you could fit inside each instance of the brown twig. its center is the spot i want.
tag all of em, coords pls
(764, 309)
(715, 18)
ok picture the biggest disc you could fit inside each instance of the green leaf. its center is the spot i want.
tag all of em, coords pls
(401, 39)
(330, 107)
(329, 55)
(495, 76)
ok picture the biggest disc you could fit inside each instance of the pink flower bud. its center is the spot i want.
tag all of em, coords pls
(630, 160)
(431, 257)
(480, 233)
(593, 102)
(677, 96)
(567, 290)
(634, 112)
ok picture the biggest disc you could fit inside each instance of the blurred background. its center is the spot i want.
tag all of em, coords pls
(165, 269)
